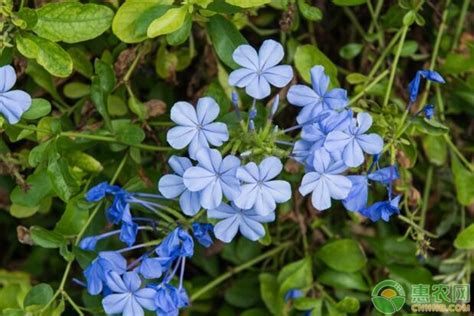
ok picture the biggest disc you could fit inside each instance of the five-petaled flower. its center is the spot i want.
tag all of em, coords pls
(234, 219)
(172, 186)
(382, 210)
(259, 191)
(13, 103)
(353, 142)
(213, 177)
(96, 272)
(260, 69)
(127, 297)
(196, 127)
(326, 181)
(314, 101)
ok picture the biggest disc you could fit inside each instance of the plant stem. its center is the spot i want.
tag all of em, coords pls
(394, 66)
(462, 18)
(238, 269)
(409, 221)
(368, 87)
(355, 22)
(73, 304)
(458, 153)
(384, 54)
(426, 195)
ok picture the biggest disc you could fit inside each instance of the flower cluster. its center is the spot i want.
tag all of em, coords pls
(120, 282)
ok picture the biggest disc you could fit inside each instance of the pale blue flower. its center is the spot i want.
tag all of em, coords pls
(169, 299)
(13, 103)
(172, 186)
(354, 142)
(382, 210)
(176, 244)
(196, 127)
(314, 101)
(258, 190)
(260, 70)
(234, 219)
(151, 268)
(414, 85)
(334, 121)
(385, 175)
(96, 272)
(128, 298)
(326, 181)
(213, 177)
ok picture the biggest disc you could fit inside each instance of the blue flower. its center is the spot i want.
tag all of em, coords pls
(292, 294)
(260, 70)
(99, 191)
(357, 197)
(201, 232)
(196, 127)
(414, 85)
(169, 299)
(354, 142)
(259, 191)
(13, 103)
(314, 101)
(325, 182)
(317, 131)
(382, 210)
(151, 268)
(429, 111)
(213, 177)
(234, 219)
(171, 186)
(385, 175)
(97, 271)
(178, 243)
(128, 298)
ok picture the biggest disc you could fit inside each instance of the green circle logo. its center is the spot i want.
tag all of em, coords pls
(388, 297)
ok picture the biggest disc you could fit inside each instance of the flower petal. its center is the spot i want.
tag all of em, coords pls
(115, 282)
(216, 133)
(197, 144)
(180, 136)
(115, 303)
(230, 187)
(226, 229)
(251, 229)
(13, 104)
(259, 88)
(321, 197)
(242, 77)
(279, 189)
(319, 80)
(300, 95)
(309, 183)
(7, 78)
(279, 76)
(222, 211)
(364, 122)
(229, 166)
(247, 197)
(269, 168)
(270, 54)
(183, 113)
(338, 186)
(336, 99)
(246, 56)
(357, 198)
(370, 143)
(146, 298)
(133, 308)
(190, 202)
(179, 164)
(171, 186)
(197, 178)
(337, 140)
(248, 173)
(132, 281)
(352, 154)
(211, 195)
(207, 110)
(210, 159)
(322, 160)
(264, 203)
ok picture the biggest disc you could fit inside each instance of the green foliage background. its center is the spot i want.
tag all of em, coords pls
(103, 75)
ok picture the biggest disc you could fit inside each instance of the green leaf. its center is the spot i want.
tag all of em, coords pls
(427, 126)
(39, 294)
(169, 22)
(83, 161)
(344, 255)
(348, 305)
(76, 90)
(39, 108)
(307, 303)
(103, 83)
(74, 217)
(247, 3)
(21, 211)
(38, 188)
(465, 239)
(225, 38)
(296, 275)
(463, 181)
(133, 18)
(343, 280)
(179, 36)
(309, 12)
(348, 2)
(269, 290)
(48, 54)
(46, 238)
(72, 22)
(356, 78)
(436, 149)
(244, 292)
(63, 182)
(81, 62)
(127, 132)
(351, 50)
(307, 56)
